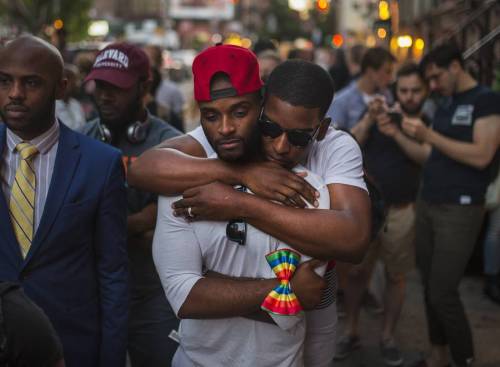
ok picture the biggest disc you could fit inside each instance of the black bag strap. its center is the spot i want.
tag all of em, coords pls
(378, 206)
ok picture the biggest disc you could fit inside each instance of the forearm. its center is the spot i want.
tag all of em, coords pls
(217, 297)
(260, 315)
(321, 234)
(142, 222)
(361, 130)
(418, 152)
(467, 153)
(170, 172)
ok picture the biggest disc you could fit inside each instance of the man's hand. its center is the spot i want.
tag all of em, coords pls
(361, 131)
(415, 128)
(138, 224)
(307, 285)
(273, 182)
(386, 126)
(377, 106)
(214, 201)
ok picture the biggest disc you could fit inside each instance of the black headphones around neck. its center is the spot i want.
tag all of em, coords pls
(136, 132)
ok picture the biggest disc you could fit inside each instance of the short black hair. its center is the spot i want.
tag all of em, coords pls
(375, 58)
(442, 56)
(356, 53)
(263, 45)
(409, 68)
(301, 83)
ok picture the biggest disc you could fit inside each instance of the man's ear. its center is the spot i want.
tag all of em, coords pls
(61, 88)
(323, 128)
(454, 67)
(145, 86)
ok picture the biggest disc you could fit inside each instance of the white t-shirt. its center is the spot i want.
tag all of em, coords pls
(336, 159)
(182, 251)
(181, 264)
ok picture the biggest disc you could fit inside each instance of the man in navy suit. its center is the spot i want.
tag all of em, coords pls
(62, 211)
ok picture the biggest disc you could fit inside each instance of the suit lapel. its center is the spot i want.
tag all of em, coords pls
(67, 159)
(7, 237)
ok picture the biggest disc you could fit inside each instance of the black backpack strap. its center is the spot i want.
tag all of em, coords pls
(379, 208)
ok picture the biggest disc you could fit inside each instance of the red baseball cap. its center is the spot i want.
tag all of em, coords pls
(120, 64)
(237, 62)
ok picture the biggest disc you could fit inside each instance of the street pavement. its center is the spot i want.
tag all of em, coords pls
(411, 333)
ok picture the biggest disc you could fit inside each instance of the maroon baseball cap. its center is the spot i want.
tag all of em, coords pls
(120, 64)
(238, 63)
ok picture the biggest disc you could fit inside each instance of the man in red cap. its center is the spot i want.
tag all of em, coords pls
(122, 77)
(227, 86)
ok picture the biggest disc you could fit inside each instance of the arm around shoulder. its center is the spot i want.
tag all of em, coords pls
(176, 165)
(340, 232)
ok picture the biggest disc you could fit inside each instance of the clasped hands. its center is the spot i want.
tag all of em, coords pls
(221, 202)
(411, 126)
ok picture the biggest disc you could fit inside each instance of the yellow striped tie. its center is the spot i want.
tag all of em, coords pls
(22, 197)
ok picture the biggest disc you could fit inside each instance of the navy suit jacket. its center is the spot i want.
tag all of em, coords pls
(76, 269)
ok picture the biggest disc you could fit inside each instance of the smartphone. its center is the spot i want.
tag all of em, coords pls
(395, 117)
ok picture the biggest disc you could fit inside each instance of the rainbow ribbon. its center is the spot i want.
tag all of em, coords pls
(281, 300)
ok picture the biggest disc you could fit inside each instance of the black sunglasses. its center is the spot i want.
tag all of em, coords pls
(296, 137)
(236, 229)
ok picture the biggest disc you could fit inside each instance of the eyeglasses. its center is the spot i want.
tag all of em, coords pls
(296, 137)
(236, 229)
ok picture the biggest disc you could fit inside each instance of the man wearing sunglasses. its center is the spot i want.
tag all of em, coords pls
(299, 138)
(230, 128)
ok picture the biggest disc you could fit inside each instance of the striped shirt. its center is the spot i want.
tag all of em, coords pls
(43, 163)
(330, 293)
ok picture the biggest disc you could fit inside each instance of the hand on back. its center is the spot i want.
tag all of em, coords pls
(273, 182)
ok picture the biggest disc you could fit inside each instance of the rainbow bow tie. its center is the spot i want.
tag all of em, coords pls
(281, 300)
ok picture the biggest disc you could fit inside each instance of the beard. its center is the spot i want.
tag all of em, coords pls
(39, 118)
(125, 118)
(412, 110)
(251, 149)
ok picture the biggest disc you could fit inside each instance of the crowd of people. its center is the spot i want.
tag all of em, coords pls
(124, 240)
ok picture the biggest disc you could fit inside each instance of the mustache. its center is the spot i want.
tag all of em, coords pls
(16, 107)
(228, 140)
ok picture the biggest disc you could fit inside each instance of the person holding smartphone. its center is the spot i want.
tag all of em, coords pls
(461, 153)
(411, 95)
(397, 176)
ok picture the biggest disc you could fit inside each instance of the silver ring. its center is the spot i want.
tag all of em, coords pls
(190, 212)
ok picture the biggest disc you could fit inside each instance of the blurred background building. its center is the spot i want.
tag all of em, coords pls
(407, 27)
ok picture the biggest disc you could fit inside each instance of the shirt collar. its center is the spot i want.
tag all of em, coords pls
(42, 142)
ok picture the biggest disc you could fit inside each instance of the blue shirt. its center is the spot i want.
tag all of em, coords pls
(349, 106)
